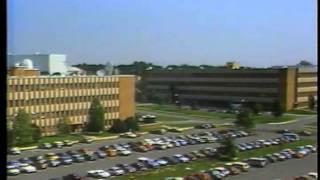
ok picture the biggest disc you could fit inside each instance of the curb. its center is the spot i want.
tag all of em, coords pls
(280, 123)
(28, 148)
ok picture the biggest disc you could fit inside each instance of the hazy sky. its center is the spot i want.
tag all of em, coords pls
(253, 32)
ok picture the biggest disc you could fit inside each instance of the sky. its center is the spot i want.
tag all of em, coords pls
(257, 33)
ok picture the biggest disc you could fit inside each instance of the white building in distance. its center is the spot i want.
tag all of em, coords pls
(46, 63)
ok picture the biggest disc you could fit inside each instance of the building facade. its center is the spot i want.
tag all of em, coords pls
(49, 98)
(220, 87)
(46, 63)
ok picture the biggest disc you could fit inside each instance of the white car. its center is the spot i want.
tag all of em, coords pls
(12, 170)
(15, 151)
(224, 172)
(129, 135)
(27, 168)
(98, 174)
(181, 158)
(125, 152)
(116, 171)
(313, 175)
(162, 162)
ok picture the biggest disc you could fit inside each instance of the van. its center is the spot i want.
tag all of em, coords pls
(258, 162)
(241, 165)
(292, 136)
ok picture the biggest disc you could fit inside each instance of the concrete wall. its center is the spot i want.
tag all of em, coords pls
(57, 63)
(127, 97)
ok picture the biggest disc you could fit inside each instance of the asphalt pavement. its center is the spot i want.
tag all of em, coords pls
(284, 170)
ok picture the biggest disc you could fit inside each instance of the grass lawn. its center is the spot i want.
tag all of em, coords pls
(174, 109)
(269, 118)
(189, 168)
(208, 115)
(302, 111)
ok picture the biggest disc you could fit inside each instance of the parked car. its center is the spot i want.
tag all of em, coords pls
(14, 151)
(58, 144)
(89, 157)
(257, 162)
(27, 168)
(128, 135)
(41, 164)
(124, 152)
(198, 154)
(45, 146)
(181, 158)
(14, 163)
(100, 154)
(12, 171)
(139, 166)
(162, 162)
(224, 172)
(280, 157)
(170, 160)
(240, 165)
(26, 161)
(116, 171)
(77, 158)
(74, 176)
(233, 170)
(54, 163)
(311, 148)
(98, 174)
(52, 156)
(283, 131)
(68, 143)
(127, 168)
(270, 158)
(66, 160)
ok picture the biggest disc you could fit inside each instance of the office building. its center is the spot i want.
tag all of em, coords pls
(49, 98)
(291, 86)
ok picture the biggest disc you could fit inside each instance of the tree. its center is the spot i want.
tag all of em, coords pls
(36, 135)
(22, 128)
(228, 149)
(132, 124)
(119, 126)
(256, 108)
(244, 120)
(312, 102)
(96, 117)
(63, 126)
(277, 108)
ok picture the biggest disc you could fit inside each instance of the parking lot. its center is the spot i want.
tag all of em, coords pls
(285, 170)
(82, 168)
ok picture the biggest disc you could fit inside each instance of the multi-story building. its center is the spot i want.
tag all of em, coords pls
(219, 87)
(49, 98)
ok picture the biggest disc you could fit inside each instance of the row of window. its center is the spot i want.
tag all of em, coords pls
(220, 93)
(75, 112)
(216, 84)
(61, 100)
(45, 87)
